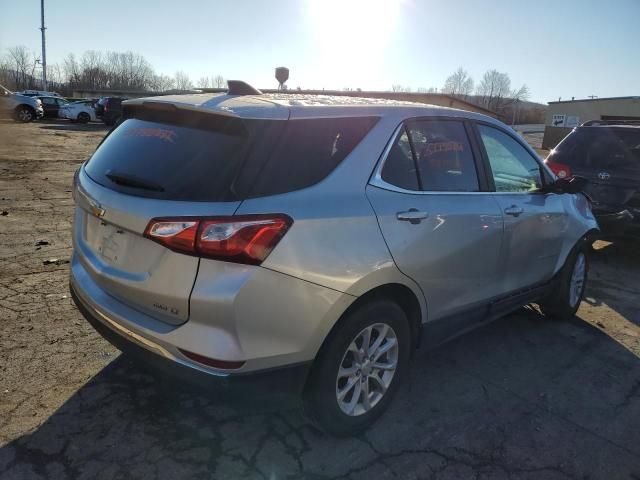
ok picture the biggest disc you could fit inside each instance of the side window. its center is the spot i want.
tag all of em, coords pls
(399, 168)
(444, 157)
(514, 169)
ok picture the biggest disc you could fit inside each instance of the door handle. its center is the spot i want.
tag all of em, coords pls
(413, 215)
(514, 210)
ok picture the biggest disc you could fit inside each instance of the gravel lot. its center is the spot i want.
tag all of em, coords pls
(521, 398)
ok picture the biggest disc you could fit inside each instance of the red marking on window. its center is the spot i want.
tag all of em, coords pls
(161, 133)
(433, 148)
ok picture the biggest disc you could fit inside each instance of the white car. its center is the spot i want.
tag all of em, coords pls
(82, 111)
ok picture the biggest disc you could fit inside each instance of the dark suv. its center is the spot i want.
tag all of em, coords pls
(608, 155)
(109, 109)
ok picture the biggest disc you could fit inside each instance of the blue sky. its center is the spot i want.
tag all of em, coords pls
(558, 48)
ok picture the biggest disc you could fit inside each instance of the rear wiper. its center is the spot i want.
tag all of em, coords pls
(133, 182)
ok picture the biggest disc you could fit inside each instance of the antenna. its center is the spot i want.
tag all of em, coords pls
(44, 48)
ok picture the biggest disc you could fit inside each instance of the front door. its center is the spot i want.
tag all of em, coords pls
(441, 229)
(533, 222)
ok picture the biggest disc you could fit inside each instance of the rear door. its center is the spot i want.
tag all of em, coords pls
(533, 222)
(442, 230)
(151, 169)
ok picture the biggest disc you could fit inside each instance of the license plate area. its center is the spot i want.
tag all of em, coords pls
(109, 242)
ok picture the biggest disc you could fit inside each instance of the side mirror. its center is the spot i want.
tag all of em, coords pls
(573, 184)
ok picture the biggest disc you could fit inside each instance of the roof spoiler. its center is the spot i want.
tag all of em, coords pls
(238, 87)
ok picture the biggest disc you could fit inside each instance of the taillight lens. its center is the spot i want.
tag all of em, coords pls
(559, 169)
(179, 235)
(240, 239)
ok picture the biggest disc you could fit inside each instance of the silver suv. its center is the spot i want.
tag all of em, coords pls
(316, 239)
(22, 108)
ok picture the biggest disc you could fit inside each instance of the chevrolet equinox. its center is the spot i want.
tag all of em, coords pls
(320, 239)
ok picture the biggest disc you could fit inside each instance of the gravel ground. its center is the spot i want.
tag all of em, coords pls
(523, 397)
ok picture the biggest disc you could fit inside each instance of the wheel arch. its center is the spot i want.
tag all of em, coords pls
(17, 108)
(400, 294)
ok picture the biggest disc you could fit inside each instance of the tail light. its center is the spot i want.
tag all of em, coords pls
(241, 239)
(559, 169)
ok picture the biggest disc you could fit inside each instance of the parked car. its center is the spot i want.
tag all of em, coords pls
(109, 109)
(39, 93)
(315, 242)
(81, 111)
(608, 155)
(21, 108)
(52, 105)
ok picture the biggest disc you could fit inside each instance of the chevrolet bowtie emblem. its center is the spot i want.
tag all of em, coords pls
(94, 207)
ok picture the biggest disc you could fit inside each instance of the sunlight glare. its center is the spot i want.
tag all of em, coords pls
(348, 29)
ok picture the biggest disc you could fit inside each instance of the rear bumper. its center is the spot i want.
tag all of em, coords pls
(288, 381)
(271, 322)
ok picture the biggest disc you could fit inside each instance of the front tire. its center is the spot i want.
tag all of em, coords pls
(358, 369)
(83, 117)
(25, 114)
(564, 300)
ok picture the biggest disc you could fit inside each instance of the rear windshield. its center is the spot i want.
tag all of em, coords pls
(226, 161)
(598, 147)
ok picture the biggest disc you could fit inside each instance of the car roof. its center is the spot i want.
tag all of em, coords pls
(284, 106)
(609, 127)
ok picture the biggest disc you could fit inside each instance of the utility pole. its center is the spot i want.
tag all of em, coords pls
(44, 48)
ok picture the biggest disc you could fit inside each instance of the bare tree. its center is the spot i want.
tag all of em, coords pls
(21, 65)
(458, 83)
(494, 88)
(219, 82)
(427, 90)
(161, 83)
(396, 87)
(204, 82)
(183, 82)
(521, 94)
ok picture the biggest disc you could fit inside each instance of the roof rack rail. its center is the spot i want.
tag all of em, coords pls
(238, 87)
(597, 123)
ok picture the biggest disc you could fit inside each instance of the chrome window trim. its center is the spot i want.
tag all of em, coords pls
(377, 181)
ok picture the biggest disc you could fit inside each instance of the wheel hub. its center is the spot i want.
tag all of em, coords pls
(367, 369)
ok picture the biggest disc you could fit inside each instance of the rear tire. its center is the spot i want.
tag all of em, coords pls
(563, 301)
(84, 117)
(25, 114)
(349, 386)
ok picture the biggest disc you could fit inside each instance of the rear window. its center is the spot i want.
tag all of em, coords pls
(307, 152)
(598, 148)
(222, 159)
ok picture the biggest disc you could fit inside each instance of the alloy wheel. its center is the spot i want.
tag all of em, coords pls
(576, 284)
(367, 369)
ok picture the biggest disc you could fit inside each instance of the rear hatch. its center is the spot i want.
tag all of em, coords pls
(609, 157)
(156, 165)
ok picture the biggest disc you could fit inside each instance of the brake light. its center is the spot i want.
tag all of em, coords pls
(559, 169)
(241, 239)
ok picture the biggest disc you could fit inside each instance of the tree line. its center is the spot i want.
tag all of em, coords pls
(20, 69)
(494, 92)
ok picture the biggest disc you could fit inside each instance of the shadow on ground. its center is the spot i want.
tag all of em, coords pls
(523, 397)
